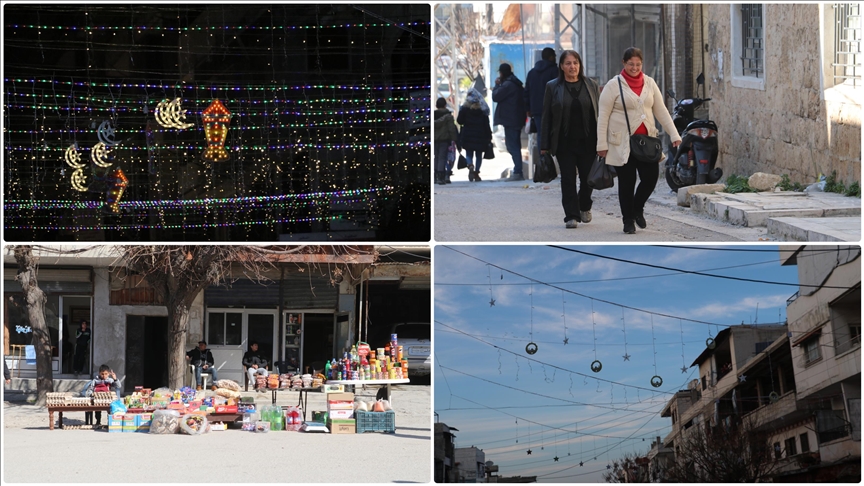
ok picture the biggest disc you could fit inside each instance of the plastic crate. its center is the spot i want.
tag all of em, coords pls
(376, 422)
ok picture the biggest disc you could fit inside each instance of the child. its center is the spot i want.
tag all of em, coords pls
(105, 381)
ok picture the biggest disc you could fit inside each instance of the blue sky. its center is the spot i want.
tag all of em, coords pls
(504, 403)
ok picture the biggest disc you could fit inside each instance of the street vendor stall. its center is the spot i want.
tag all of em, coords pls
(386, 383)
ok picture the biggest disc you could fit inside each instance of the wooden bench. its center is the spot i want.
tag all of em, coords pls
(85, 408)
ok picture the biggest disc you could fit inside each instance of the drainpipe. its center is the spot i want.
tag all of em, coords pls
(281, 318)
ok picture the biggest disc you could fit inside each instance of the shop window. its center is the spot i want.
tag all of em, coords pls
(812, 353)
(224, 328)
(845, 32)
(791, 450)
(805, 442)
(18, 330)
(748, 45)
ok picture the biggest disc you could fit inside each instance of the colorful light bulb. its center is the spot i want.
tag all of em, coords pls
(216, 119)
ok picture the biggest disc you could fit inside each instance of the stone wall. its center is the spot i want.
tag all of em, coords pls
(789, 127)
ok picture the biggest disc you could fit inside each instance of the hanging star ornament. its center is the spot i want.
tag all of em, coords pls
(491, 302)
(742, 378)
(683, 369)
(529, 452)
(556, 458)
(608, 466)
(566, 340)
(626, 357)
(581, 463)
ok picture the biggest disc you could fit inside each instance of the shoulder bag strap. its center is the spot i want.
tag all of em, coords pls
(621, 90)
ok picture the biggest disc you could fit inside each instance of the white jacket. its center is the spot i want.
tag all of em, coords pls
(612, 126)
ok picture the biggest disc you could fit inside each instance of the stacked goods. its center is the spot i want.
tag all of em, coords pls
(104, 399)
(143, 421)
(129, 422)
(260, 381)
(273, 381)
(293, 419)
(296, 382)
(285, 380)
(57, 399)
(249, 421)
(115, 423)
(340, 411)
(385, 364)
(73, 401)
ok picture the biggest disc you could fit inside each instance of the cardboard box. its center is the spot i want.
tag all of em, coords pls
(332, 388)
(342, 426)
(226, 409)
(340, 414)
(129, 428)
(340, 405)
(218, 426)
(343, 397)
(143, 419)
(129, 420)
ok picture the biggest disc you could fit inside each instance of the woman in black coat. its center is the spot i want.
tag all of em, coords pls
(570, 134)
(475, 133)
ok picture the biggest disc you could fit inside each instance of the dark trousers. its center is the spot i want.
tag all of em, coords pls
(441, 151)
(633, 204)
(513, 141)
(80, 357)
(573, 163)
(474, 157)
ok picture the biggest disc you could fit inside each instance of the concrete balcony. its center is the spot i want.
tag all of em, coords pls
(786, 410)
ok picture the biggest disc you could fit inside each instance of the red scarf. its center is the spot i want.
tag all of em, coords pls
(636, 85)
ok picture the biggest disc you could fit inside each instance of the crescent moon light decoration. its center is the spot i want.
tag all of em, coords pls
(79, 180)
(73, 158)
(169, 115)
(216, 118)
(99, 155)
(106, 133)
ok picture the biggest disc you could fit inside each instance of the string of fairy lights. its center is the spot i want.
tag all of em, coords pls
(298, 135)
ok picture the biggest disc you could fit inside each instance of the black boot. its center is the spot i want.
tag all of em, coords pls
(447, 175)
(439, 177)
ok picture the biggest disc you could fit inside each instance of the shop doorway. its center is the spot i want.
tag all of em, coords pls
(146, 352)
(318, 338)
(75, 309)
(261, 328)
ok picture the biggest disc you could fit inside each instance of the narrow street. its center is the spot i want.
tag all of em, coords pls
(495, 210)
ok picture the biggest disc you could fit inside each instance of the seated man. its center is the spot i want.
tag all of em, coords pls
(255, 363)
(202, 359)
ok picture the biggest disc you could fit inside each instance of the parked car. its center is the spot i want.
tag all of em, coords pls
(416, 341)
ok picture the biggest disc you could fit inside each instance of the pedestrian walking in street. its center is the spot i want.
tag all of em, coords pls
(475, 134)
(509, 93)
(569, 132)
(82, 347)
(644, 103)
(445, 136)
(544, 70)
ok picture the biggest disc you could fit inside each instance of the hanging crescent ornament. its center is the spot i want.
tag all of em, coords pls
(216, 119)
(73, 158)
(531, 348)
(99, 155)
(710, 343)
(106, 133)
(656, 381)
(596, 366)
(773, 397)
(78, 180)
(169, 115)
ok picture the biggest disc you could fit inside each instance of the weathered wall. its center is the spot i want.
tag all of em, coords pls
(789, 127)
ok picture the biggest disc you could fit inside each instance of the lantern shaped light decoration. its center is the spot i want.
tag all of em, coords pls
(116, 182)
(216, 118)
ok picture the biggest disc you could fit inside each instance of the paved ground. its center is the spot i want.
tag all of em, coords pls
(496, 211)
(33, 454)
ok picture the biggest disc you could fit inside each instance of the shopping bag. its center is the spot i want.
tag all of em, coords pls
(601, 176)
(544, 169)
(490, 152)
(462, 164)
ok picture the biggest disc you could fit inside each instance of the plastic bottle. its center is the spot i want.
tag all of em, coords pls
(327, 370)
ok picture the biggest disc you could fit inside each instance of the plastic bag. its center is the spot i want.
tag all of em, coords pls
(544, 169)
(601, 175)
(165, 422)
(117, 407)
(194, 424)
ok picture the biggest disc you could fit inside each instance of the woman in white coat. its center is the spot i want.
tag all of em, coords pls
(644, 103)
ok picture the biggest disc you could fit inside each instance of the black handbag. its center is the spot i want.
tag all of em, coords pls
(544, 169)
(462, 164)
(643, 148)
(601, 176)
(490, 152)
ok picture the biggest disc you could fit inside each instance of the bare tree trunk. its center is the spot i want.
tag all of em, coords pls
(35, 302)
(178, 317)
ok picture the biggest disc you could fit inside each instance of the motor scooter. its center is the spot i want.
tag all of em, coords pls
(695, 160)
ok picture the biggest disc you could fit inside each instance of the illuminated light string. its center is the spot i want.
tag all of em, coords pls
(247, 127)
(221, 209)
(213, 27)
(239, 148)
(66, 204)
(174, 226)
(136, 100)
(126, 109)
(212, 87)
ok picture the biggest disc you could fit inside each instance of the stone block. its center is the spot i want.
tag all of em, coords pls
(685, 193)
(764, 182)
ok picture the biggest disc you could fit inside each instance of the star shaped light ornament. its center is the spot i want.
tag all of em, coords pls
(608, 466)
(529, 452)
(556, 458)
(742, 378)
(566, 340)
(580, 463)
(683, 369)
(626, 357)
(491, 302)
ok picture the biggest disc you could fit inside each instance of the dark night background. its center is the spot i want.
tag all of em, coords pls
(285, 72)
